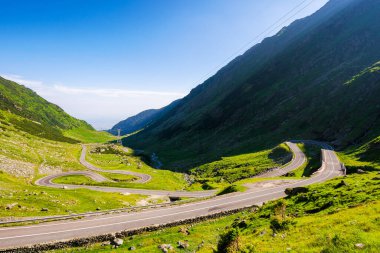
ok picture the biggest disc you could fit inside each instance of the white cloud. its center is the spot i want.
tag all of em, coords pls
(100, 107)
(21, 80)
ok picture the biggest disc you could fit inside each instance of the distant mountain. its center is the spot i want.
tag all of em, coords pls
(36, 115)
(140, 121)
(311, 80)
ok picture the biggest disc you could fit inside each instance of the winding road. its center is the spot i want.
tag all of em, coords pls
(14, 237)
(298, 159)
(143, 178)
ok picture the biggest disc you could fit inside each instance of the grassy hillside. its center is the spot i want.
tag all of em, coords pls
(31, 149)
(20, 198)
(232, 169)
(134, 123)
(86, 135)
(365, 157)
(24, 102)
(315, 79)
(25, 157)
(28, 112)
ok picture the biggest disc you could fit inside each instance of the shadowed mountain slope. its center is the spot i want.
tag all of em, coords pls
(292, 85)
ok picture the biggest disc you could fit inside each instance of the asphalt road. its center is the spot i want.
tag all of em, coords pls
(48, 181)
(298, 159)
(143, 178)
(58, 231)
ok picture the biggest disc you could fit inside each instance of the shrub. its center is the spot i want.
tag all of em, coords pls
(277, 225)
(231, 189)
(230, 242)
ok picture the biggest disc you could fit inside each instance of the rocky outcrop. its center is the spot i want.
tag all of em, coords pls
(16, 168)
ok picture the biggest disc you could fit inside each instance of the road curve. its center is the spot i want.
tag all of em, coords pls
(48, 181)
(298, 159)
(143, 177)
(14, 237)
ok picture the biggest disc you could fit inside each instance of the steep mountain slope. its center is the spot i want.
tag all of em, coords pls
(33, 114)
(292, 85)
(134, 123)
(141, 120)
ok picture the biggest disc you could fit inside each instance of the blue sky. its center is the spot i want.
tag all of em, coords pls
(103, 61)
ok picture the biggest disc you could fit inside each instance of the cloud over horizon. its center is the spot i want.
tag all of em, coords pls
(101, 107)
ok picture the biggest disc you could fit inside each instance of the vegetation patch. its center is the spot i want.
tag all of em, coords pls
(365, 157)
(313, 155)
(231, 189)
(232, 169)
(114, 157)
(86, 135)
(20, 198)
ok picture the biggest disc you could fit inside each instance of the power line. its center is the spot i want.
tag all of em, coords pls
(268, 30)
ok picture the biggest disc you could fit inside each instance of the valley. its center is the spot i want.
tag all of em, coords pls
(278, 151)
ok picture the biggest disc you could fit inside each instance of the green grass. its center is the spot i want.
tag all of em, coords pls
(303, 225)
(85, 135)
(119, 177)
(119, 158)
(31, 199)
(313, 163)
(232, 169)
(202, 236)
(73, 179)
(337, 232)
(28, 157)
(231, 189)
(21, 101)
(26, 147)
(365, 157)
(84, 180)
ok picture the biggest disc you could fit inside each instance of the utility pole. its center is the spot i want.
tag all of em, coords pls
(119, 137)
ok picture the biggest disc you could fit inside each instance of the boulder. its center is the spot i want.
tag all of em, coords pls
(184, 231)
(132, 248)
(10, 206)
(106, 243)
(165, 247)
(183, 245)
(295, 191)
(117, 242)
(360, 171)
(359, 245)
